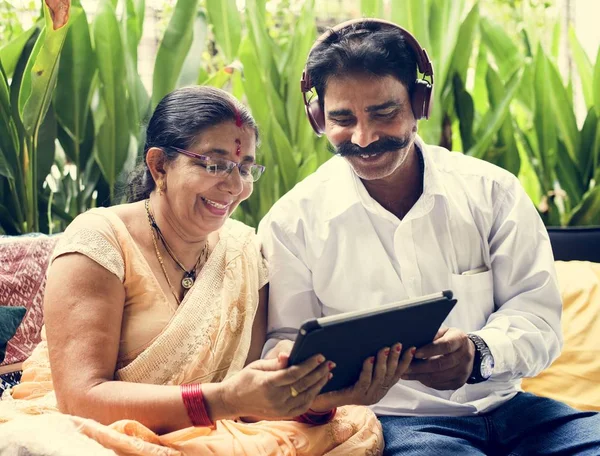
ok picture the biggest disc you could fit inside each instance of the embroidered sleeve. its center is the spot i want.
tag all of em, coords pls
(92, 235)
(263, 267)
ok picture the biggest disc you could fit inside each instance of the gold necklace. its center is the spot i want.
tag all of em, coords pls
(189, 276)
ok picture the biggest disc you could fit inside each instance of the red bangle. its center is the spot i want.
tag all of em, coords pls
(316, 418)
(193, 399)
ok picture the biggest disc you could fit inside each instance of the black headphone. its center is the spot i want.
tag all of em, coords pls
(423, 90)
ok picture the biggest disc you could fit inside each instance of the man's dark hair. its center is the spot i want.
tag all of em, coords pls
(176, 123)
(363, 48)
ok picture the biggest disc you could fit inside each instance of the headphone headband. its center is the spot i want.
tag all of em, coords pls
(421, 100)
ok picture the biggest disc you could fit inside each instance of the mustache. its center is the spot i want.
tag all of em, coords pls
(382, 145)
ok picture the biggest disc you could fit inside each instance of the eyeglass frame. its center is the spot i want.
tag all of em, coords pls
(229, 162)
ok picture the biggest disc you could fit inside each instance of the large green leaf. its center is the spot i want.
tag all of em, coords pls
(497, 115)
(413, 16)
(445, 17)
(569, 177)
(584, 68)
(464, 43)
(227, 25)
(266, 50)
(173, 49)
(588, 211)
(589, 151)
(464, 108)
(9, 142)
(193, 62)
(544, 119)
(9, 53)
(134, 25)
(72, 97)
(46, 146)
(506, 53)
(40, 75)
(563, 109)
(596, 83)
(112, 137)
(506, 144)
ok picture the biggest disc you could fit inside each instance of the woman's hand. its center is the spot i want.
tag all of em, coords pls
(267, 388)
(376, 378)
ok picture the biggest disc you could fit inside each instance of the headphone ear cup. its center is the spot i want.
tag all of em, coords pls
(316, 117)
(421, 99)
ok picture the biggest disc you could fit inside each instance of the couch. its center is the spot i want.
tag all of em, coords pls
(573, 378)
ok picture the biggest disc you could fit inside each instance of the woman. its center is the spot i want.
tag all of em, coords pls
(155, 311)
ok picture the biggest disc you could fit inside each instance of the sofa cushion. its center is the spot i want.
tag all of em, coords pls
(23, 263)
(574, 377)
(10, 319)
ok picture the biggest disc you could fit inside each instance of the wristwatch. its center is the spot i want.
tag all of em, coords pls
(483, 363)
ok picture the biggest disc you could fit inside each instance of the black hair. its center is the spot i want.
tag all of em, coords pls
(366, 47)
(176, 123)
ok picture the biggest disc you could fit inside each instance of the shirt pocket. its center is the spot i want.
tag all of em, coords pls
(475, 300)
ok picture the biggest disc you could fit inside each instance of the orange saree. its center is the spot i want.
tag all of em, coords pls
(205, 339)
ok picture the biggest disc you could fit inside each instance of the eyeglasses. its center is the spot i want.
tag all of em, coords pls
(220, 167)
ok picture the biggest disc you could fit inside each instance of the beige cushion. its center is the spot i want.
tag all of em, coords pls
(574, 377)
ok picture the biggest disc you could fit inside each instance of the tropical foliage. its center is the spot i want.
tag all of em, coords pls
(73, 106)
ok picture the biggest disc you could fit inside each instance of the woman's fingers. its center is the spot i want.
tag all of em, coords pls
(379, 373)
(292, 374)
(314, 377)
(392, 362)
(404, 363)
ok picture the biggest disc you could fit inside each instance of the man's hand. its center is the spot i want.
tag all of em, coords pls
(444, 364)
(283, 347)
(378, 375)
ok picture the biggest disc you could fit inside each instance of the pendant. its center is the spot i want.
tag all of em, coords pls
(187, 282)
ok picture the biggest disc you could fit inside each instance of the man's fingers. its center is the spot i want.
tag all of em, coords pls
(443, 330)
(433, 364)
(448, 343)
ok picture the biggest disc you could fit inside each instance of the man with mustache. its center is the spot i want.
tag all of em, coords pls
(391, 217)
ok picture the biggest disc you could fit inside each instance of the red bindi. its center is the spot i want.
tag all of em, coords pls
(238, 149)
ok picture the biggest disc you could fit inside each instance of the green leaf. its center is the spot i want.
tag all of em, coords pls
(569, 177)
(464, 43)
(41, 72)
(506, 53)
(497, 116)
(562, 106)
(227, 25)
(112, 137)
(589, 152)
(46, 146)
(588, 211)
(584, 68)
(10, 53)
(134, 25)
(464, 107)
(266, 50)
(412, 15)
(596, 83)
(508, 157)
(193, 62)
(371, 8)
(173, 49)
(285, 157)
(72, 97)
(544, 120)
(9, 142)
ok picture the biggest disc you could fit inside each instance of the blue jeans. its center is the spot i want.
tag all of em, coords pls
(525, 425)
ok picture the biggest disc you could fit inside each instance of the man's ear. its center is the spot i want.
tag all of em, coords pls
(156, 160)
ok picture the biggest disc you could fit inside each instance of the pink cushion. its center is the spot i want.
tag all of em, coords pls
(23, 264)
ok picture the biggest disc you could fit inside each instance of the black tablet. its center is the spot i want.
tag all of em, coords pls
(349, 338)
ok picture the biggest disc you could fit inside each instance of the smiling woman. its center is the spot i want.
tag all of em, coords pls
(155, 313)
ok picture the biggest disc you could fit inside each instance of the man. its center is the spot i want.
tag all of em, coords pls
(391, 217)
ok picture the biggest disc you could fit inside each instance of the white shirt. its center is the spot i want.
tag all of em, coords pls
(332, 248)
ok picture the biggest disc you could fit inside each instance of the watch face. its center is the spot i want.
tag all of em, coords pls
(487, 366)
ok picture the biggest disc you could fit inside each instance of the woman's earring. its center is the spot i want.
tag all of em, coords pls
(161, 188)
